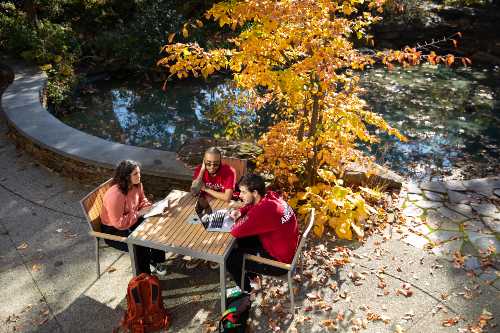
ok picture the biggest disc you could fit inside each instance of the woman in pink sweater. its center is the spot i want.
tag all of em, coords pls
(124, 206)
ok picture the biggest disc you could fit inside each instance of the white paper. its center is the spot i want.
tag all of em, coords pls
(157, 208)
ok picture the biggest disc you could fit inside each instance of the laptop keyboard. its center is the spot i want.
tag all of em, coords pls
(215, 220)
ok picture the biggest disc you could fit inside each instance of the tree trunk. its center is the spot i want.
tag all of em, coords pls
(29, 7)
(300, 134)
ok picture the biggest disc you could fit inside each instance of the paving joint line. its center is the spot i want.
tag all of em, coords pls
(428, 293)
(7, 233)
(40, 205)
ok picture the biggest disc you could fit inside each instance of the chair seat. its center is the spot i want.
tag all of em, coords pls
(267, 261)
(290, 268)
(108, 236)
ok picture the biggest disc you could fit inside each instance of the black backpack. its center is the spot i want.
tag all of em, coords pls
(234, 319)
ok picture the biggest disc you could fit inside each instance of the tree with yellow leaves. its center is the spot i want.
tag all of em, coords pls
(299, 55)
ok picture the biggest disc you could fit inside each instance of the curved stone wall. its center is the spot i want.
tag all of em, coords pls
(74, 153)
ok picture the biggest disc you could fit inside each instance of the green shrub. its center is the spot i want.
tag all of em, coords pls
(51, 45)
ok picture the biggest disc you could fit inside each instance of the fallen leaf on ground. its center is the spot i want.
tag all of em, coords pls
(409, 316)
(22, 246)
(41, 321)
(406, 291)
(458, 260)
(68, 235)
(111, 270)
(398, 329)
(436, 309)
(328, 322)
(372, 316)
(36, 268)
(313, 295)
(450, 321)
(483, 320)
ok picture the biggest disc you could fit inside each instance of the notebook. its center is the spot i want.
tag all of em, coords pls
(157, 208)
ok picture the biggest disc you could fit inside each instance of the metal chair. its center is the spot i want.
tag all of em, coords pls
(92, 206)
(239, 166)
(291, 268)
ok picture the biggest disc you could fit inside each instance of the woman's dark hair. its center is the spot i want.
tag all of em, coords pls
(122, 174)
(254, 183)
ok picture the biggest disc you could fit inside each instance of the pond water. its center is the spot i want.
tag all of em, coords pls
(450, 116)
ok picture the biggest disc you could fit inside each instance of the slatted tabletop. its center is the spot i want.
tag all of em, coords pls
(173, 232)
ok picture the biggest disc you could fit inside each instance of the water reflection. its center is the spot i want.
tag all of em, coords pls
(451, 117)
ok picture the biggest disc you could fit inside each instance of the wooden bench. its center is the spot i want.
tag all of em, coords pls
(92, 206)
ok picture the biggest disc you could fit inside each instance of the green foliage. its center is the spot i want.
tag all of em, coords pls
(133, 43)
(51, 45)
(471, 3)
(113, 35)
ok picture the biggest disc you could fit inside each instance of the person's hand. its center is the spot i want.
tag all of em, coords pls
(203, 187)
(195, 190)
(235, 214)
(233, 204)
(144, 211)
(203, 167)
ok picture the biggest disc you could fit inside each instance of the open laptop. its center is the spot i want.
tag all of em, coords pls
(218, 220)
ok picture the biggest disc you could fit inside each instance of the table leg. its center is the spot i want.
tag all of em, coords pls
(223, 286)
(132, 250)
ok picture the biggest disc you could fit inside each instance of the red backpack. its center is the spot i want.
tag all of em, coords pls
(145, 310)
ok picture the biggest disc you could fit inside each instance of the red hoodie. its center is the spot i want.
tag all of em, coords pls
(274, 222)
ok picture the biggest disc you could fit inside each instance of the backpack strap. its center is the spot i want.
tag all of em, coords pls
(229, 316)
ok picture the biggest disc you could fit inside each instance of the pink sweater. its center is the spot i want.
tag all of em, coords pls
(122, 211)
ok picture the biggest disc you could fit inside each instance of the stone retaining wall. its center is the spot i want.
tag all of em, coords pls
(75, 154)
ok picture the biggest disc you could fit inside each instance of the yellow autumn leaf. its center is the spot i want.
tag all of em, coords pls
(303, 210)
(293, 202)
(343, 230)
(318, 230)
(301, 195)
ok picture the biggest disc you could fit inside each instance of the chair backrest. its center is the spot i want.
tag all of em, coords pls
(303, 239)
(92, 205)
(239, 165)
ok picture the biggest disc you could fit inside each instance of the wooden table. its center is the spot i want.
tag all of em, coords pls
(172, 232)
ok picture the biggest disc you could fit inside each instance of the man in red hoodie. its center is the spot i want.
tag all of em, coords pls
(265, 226)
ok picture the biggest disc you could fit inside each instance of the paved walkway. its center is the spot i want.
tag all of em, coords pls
(458, 220)
(47, 270)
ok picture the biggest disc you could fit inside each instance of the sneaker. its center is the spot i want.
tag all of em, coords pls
(213, 265)
(158, 269)
(170, 255)
(193, 263)
(231, 291)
